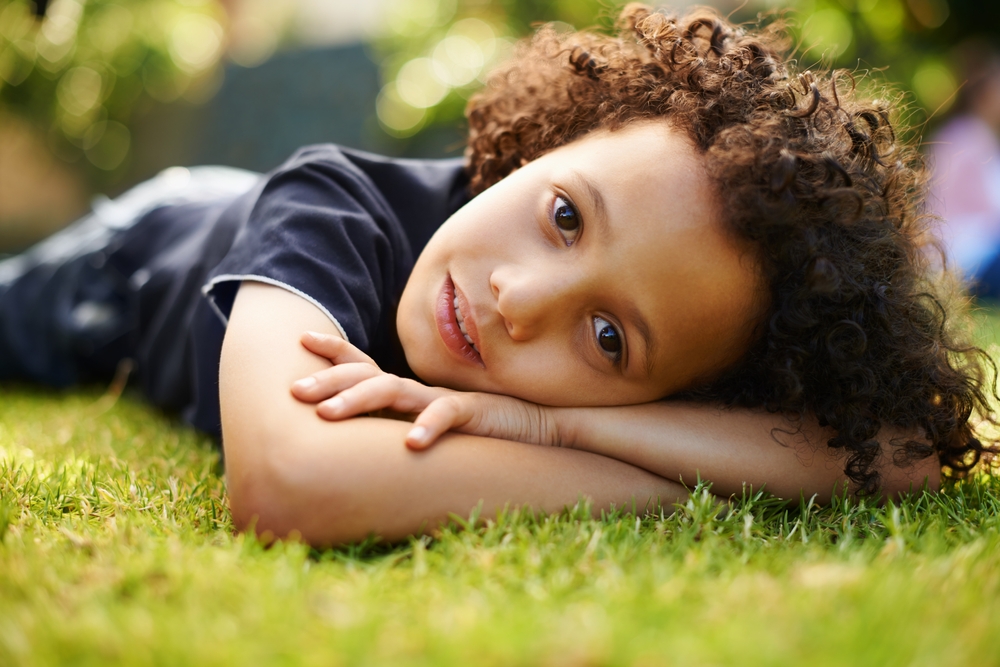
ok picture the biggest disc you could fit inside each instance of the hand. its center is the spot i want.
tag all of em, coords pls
(356, 385)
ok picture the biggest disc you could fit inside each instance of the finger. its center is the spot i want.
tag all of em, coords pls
(331, 381)
(377, 393)
(382, 391)
(334, 348)
(440, 416)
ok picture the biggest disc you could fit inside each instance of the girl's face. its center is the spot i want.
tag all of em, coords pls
(598, 274)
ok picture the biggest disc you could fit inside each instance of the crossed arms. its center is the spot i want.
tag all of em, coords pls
(289, 470)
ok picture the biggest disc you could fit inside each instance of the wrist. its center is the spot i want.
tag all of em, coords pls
(564, 426)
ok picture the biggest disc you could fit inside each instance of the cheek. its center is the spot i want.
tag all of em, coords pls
(555, 376)
(526, 372)
(509, 206)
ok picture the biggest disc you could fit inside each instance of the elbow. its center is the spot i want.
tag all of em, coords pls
(256, 502)
(274, 494)
(900, 481)
(904, 475)
(257, 490)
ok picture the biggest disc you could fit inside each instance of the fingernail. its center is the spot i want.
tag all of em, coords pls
(336, 404)
(314, 335)
(417, 434)
(305, 383)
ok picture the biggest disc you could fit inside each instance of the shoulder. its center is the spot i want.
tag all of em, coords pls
(419, 193)
(430, 174)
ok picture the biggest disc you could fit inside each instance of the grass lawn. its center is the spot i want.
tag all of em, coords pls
(116, 547)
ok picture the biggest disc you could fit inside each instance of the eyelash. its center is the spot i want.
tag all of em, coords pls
(554, 218)
(614, 356)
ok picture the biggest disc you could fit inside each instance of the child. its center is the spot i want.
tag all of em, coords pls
(965, 156)
(668, 212)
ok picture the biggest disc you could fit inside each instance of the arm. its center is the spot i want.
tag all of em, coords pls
(729, 447)
(673, 439)
(289, 470)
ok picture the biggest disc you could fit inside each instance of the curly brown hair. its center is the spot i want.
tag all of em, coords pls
(812, 173)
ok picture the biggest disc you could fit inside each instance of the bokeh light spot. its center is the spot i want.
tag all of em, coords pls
(61, 21)
(195, 42)
(403, 16)
(13, 69)
(15, 21)
(828, 31)
(935, 86)
(930, 13)
(457, 60)
(475, 29)
(110, 28)
(79, 90)
(884, 17)
(57, 38)
(398, 117)
(255, 40)
(418, 85)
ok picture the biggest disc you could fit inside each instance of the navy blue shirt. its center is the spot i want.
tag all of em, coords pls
(339, 228)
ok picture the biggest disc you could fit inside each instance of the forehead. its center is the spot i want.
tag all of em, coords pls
(668, 252)
(649, 153)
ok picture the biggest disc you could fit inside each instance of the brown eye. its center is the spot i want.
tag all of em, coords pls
(608, 338)
(566, 220)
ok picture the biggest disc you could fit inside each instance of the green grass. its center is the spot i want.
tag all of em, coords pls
(116, 547)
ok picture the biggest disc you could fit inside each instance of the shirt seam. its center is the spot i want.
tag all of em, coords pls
(206, 290)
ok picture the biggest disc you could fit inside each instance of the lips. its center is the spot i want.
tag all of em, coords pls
(456, 326)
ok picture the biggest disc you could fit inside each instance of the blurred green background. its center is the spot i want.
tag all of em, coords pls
(96, 95)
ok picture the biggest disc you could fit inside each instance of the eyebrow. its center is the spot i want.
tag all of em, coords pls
(596, 199)
(641, 326)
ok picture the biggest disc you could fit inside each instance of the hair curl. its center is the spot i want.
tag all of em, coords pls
(813, 175)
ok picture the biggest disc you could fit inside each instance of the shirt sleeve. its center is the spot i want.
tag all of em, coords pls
(321, 229)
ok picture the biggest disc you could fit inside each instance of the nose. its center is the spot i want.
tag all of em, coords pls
(530, 299)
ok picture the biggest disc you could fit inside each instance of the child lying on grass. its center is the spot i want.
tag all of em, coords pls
(671, 212)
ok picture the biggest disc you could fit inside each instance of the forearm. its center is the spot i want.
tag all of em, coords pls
(340, 481)
(728, 447)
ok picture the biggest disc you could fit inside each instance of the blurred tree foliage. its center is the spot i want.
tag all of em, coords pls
(435, 53)
(913, 42)
(80, 70)
(908, 43)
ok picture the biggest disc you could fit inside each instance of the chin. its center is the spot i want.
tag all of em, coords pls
(438, 379)
(427, 366)
(432, 375)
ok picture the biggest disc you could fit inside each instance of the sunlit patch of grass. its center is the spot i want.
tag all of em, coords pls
(986, 319)
(116, 547)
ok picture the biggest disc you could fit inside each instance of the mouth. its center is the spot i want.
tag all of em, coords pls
(456, 328)
(461, 324)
